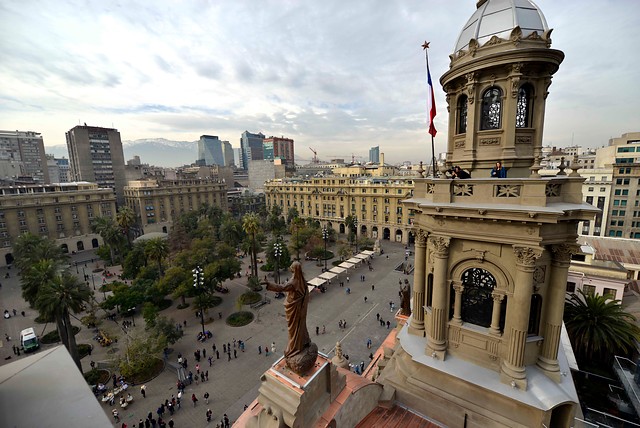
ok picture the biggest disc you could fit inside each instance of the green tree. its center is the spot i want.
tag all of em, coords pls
(140, 354)
(599, 327)
(126, 218)
(135, 260)
(150, 314)
(59, 298)
(37, 275)
(251, 226)
(29, 249)
(157, 249)
(166, 327)
(108, 230)
(231, 231)
(350, 222)
(297, 224)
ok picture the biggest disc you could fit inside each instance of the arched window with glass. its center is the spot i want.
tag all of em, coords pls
(461, 114)
(477, 297)
(491, 117)
(524, 106)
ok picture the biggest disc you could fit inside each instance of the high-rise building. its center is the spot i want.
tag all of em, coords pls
(237, 158)
(374, 154)
(227, 154)
(251, 146)
(95, 155)
(22, 154)
(210, 150)
(279, 148)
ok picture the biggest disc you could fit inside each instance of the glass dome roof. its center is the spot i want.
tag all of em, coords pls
(499, 18)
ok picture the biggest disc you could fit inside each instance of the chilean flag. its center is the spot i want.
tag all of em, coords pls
(431, 103)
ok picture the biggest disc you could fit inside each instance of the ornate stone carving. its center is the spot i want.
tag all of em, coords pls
(526, 256)
(463, 189)
(459, 144)
(490, 141)
(431, 188)
(421, 237)
(523, 139)
(515, 86)
(471, 86)
(516, 36)
(507, 190)
(547, 83)
(440, 244)
(539, 274)
(563, 252)
(473, 46)
(458, 287)
(494, 40)
(552, 190)
(533, 36)
(516, 68)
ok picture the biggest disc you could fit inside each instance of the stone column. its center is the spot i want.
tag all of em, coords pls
(495, 314)
(419, 277)
(554, 308)
(457, 308)
(437, 344)
(517, 324)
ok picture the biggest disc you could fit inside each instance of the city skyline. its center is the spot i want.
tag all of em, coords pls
(355, 80)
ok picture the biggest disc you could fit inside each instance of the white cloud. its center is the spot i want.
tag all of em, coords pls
(337, 76)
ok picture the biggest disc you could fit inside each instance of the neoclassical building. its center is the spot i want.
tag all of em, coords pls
(376, 202)
(482, 346)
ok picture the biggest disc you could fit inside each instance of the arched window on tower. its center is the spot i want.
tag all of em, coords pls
(461, 115)
(491, 109)
(524, 107)
(477, 297)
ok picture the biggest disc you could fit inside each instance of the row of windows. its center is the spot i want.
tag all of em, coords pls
(628, 149)
(491, 109)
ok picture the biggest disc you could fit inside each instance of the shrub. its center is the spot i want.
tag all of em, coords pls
(249, 298)
(84, 349)
(238, 319)
(54, 337)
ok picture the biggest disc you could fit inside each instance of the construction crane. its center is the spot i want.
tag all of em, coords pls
(315, 156)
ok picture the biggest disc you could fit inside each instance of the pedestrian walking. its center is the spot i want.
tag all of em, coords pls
(388, 324)
(226, 421)
(171, 423)
(347, 280)
(210, 361)
(317, 330)
(224, 348)
(324, 329)
(204, 353)
(143, 391)
(228, 356)
(365, 299)
(373, 287)
(235, 354)
(273, 347)
(259, 349)
(217, 355)
(206, 375)
(206, 397)
(209, 413)
(378, 317)
(194, 399)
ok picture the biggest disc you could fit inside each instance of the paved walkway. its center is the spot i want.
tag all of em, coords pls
(232, 384)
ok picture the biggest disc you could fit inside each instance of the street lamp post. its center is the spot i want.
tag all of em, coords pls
(355, 238)
(277, 252)
(325, 237)
(198, 282)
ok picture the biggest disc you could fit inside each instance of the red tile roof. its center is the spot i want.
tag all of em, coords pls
(395, 417)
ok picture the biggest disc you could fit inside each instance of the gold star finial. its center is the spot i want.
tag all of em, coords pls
(425, 45)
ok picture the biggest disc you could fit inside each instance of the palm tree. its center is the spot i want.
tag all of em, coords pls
(296, 225)
(125, 219)
(30, 248)
(157, 249)
(231, 231)
(38, 275)
(58, 299)
(106, 228)
(251, 226)
(599, 327)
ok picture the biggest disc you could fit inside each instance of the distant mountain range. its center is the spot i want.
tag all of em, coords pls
(153, 151)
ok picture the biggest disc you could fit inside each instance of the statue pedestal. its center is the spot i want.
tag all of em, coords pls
(289, 400)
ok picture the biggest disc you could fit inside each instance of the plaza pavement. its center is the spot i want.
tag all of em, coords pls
(232, 384)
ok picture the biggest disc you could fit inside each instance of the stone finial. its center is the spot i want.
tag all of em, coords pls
(562, 167)
(575, 166)
(339, 360)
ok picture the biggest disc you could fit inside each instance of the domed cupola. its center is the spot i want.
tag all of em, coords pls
(497, 85)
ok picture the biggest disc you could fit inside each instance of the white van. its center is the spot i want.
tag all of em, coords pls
(29, 340)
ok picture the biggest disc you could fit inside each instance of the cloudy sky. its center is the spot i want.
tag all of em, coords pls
(339, 76)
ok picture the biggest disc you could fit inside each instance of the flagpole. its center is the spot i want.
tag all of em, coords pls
(432, 111)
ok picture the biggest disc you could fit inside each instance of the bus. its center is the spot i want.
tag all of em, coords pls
(29, 340)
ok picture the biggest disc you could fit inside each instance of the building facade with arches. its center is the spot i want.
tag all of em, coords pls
(376, 203)
(61, 212)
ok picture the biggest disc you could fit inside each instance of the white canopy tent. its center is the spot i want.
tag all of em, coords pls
(367, 252)
(354, 260)
(317, 281)
(327, 275)
(337, 270)
(345, 265)
(362, 256)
